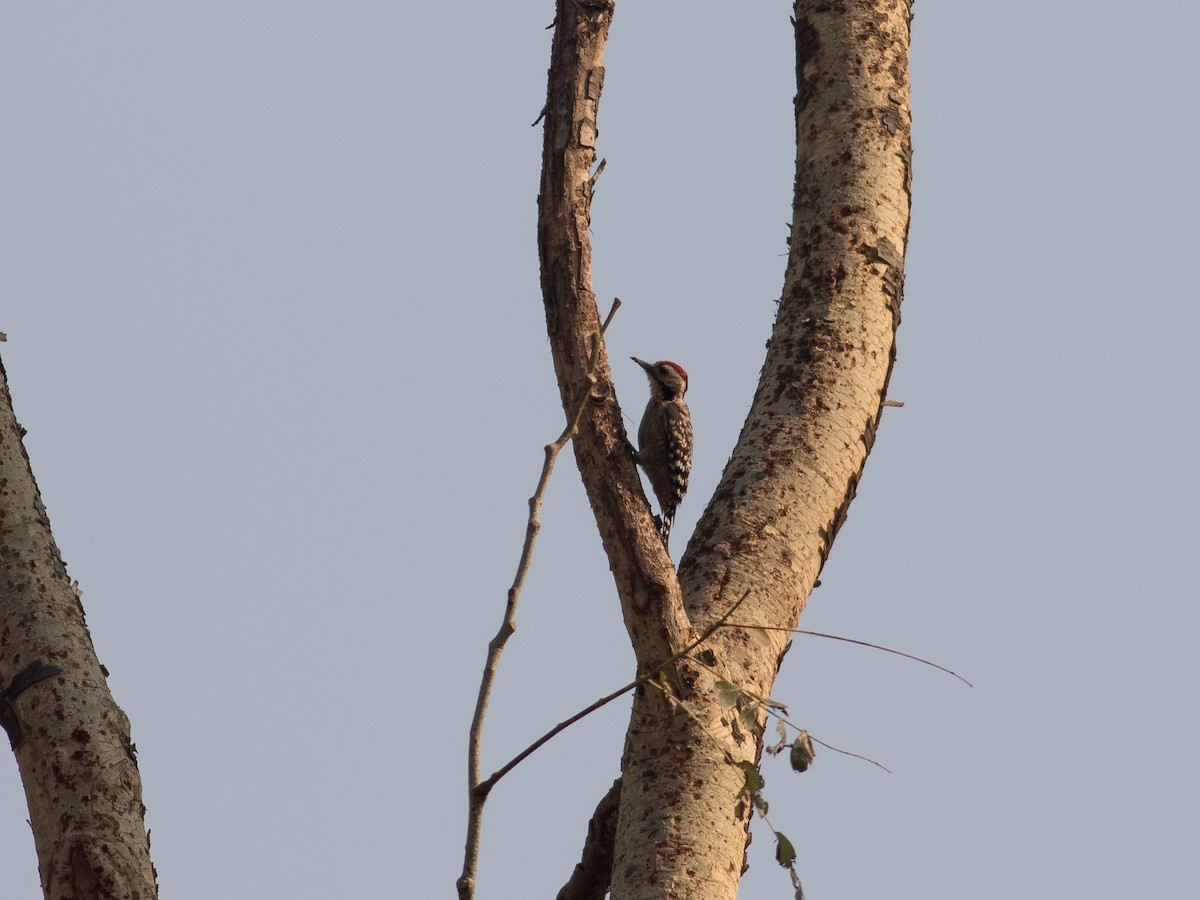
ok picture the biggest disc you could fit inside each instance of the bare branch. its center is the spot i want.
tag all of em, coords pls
(71, 741)
(651, 602)
(650, 676)
(477, 791)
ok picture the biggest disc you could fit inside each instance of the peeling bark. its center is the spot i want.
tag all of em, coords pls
(645, 577)
(71, 741)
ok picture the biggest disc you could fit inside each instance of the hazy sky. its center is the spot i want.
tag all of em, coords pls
(269, 279)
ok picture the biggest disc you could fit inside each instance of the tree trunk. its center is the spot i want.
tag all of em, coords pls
(792, 475)
(71, 741)
(784, 494)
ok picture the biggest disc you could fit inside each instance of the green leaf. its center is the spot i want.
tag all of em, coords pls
(785, 853)
(754, 779)
(749, 717)
(802, 753)
(727, 693)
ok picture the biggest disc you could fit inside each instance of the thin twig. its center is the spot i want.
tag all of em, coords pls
(604, 701)
(846, 752)
(612, 312)
(835, 637)
(557, 729)
(787, 721)
(773, 708)
(476, 789)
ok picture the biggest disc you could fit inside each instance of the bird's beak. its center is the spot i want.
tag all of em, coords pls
(641, 362)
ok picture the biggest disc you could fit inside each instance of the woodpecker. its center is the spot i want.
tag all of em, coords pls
(665, 437)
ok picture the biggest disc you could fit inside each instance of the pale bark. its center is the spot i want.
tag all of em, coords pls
(784, 494)
(71, 741)
(793, 473)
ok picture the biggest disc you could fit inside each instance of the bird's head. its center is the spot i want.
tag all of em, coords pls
(667, 379)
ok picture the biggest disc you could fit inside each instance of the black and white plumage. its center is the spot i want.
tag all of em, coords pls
(665, 437)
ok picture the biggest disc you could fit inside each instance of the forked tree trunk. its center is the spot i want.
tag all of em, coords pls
(71, 741)
(768, 528)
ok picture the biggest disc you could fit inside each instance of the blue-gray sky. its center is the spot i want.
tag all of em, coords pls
(269, 279)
